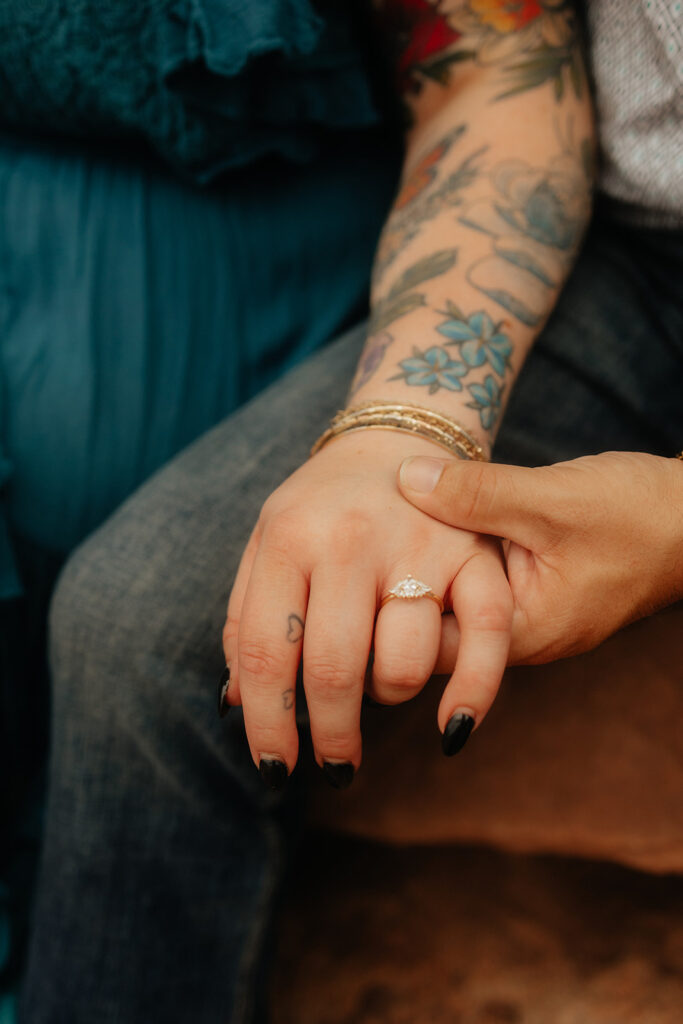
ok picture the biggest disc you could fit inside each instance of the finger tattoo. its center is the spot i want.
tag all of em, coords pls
(295, 628)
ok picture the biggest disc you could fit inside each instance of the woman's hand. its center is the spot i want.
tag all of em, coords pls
(330, 541)
(593, 544)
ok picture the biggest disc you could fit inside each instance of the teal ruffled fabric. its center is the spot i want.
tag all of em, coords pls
(209, 84)
(137, 310)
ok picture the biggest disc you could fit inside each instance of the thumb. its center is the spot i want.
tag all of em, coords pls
(505, 501)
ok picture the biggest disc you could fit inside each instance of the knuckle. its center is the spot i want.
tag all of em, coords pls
(259, 659)
(476, 490)
(329, 676)
(403, 673)
(493, 617)
(230, 630)
(350, 534)
(270, 509)
(284, 531)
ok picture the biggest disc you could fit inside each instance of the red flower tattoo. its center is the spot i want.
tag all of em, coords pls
(506, 15)
(422, 36)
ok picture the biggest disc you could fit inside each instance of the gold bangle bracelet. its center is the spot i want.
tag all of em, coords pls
(410, 419)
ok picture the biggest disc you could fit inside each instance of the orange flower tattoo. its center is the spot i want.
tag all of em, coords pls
(506, 15)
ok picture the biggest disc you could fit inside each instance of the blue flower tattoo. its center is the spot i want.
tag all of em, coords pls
(480, 340)
(487, 400)
(433, 368)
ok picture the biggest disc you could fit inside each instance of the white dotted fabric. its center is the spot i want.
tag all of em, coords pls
(637, 62)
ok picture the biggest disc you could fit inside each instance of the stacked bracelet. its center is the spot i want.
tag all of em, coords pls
(411, 419)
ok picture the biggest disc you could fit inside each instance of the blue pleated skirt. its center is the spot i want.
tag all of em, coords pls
(137, 310)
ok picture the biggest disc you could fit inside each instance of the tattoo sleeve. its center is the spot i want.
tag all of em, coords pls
(493, 203)
(524, 44)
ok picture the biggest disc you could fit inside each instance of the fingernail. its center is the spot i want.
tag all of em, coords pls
(339, 774)
(273, 773)
(223, 684)
(456, 733)
(420, 473)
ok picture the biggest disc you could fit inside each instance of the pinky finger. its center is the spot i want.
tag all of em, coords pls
(482, 603)
(228, 686)
(448, 645)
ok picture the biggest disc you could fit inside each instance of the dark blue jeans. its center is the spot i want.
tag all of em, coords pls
(163, 850)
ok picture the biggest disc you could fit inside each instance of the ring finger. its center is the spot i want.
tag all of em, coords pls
(407, 637)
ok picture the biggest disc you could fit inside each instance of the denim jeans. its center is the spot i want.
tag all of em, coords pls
(163, 850)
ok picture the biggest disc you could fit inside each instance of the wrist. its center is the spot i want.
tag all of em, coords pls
(410, 418)
(391, 446)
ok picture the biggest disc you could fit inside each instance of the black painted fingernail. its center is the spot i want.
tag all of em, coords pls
(339, 775)
(223, 684)
(273, 773)
(456, 733)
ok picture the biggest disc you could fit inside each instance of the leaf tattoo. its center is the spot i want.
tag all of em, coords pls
(431, 266)
(371, 360)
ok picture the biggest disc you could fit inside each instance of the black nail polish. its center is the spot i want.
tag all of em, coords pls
(339, 775)
(223, 684)
(456, 733)
(273, 773)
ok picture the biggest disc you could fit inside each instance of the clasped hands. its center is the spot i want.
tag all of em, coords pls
(531, 564)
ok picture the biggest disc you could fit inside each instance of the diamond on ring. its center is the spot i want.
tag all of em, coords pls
(411, 589)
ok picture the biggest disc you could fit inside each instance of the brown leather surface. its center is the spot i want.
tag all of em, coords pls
(581, 757)
(405, 935)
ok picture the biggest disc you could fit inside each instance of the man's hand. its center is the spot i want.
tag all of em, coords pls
(592, 544)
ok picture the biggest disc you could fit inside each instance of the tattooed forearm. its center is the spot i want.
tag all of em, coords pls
(478, 339)
(399, 301)
(490, 186)
(422, 198)
(487, 401)
(479, 342)
(402, 297)
(535, 218)
(422, 42)
(432, 368)
(530, 43)
(371, 360)
(295, 628)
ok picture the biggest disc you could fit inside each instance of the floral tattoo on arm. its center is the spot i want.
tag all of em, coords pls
(422, 197)
(535, 218)
(530, 43)
(402, 298)
(479, 342)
